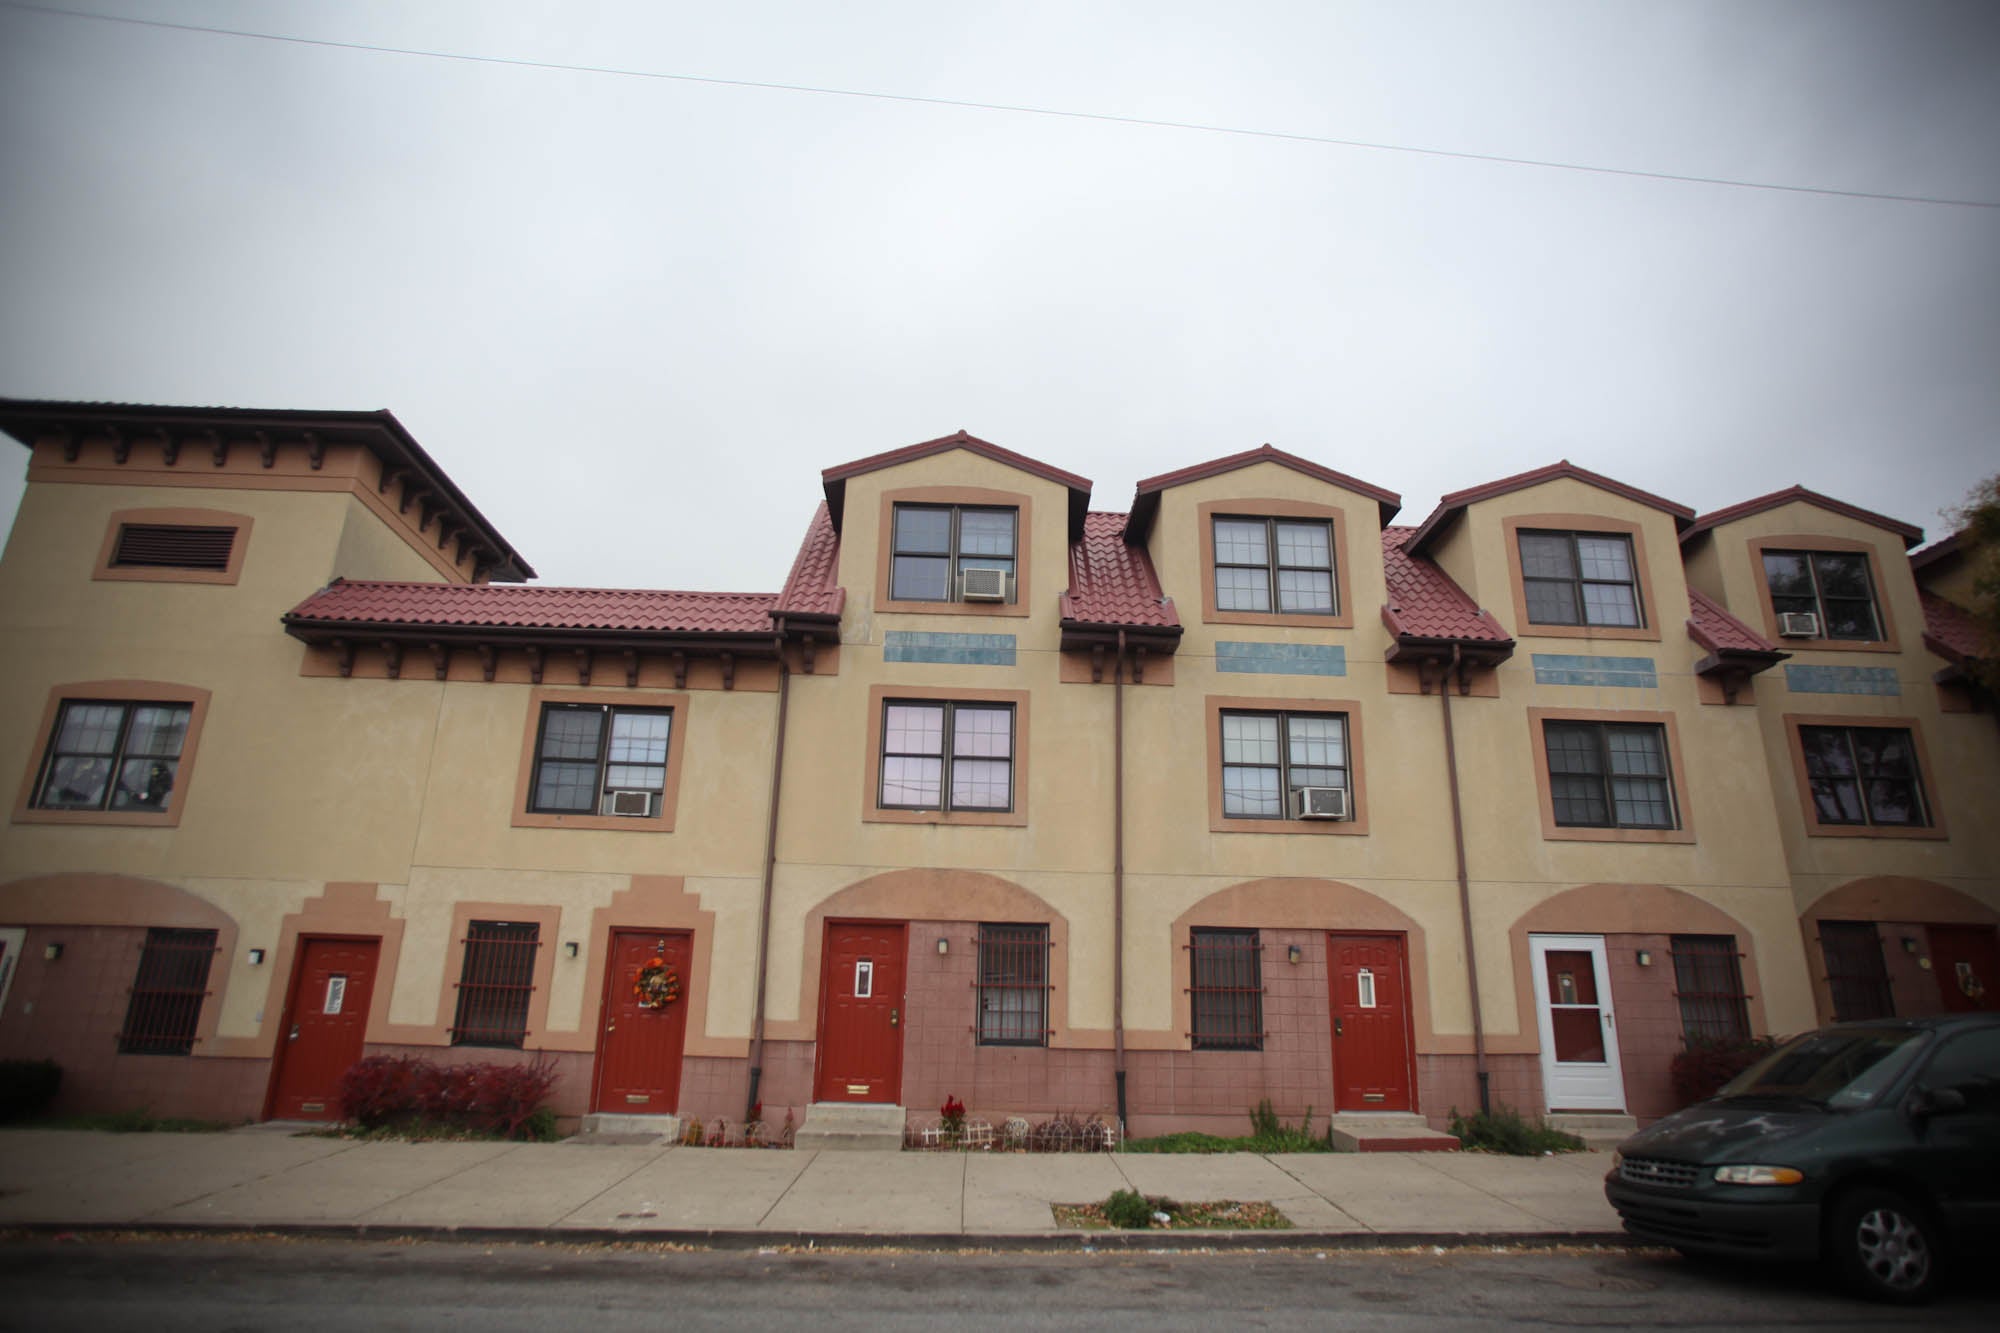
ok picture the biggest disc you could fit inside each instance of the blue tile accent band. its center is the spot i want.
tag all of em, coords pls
(1814, 679)
(1632, 673)
(959, 649)
(1281, 659)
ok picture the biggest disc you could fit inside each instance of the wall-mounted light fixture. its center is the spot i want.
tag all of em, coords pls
(570, 948)
(256, 958)
(944, 945)
(1909, 944)
(1293, 954)
(1645, 958)
(51, 952)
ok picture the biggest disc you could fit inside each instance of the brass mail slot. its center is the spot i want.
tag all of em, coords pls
(1374, 1097)
(312, 1106)
(641, 1097)
(857, 1089)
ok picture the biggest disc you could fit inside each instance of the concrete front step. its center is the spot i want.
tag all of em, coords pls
(851, 1127)
(1598, 1129)
(1388, 1131)
(609, 1127)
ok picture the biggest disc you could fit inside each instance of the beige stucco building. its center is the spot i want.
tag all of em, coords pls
(1243, 793)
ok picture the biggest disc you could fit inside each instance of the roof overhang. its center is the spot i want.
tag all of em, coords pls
(1088, 636)
(1452, 507)
(1146, 499)
(30, 420)
(1911, 534)
(834, 479)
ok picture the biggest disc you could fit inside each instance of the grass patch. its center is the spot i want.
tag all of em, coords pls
(129, 1122)
(1505, 1130)
(1268, 1134)
(1127, 1210)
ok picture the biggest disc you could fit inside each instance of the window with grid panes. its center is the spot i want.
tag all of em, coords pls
(108, 755)
(1580, 578)
(1609, 775)
(1863, 776)
(1833, 585)
(1226, 990)
(1283, 565)
(1268, 756)
(1013, 985)
(586, 753)
(1856, 975)
(933, 545)
(947, 756)
(495, 983)
(1708, 979)
(164, 1012)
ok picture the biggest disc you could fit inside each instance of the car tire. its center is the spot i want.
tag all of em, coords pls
(1885, 1246)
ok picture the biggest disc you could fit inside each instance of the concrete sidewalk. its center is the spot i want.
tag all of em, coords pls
(267, 1177)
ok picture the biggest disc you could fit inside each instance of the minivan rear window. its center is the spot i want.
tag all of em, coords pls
(1838, 1069)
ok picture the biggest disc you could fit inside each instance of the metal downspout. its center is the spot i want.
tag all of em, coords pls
(770, 872)
(1118, 877)
(1464, 886)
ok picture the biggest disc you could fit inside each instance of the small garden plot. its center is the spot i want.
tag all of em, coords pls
(1128, 1210)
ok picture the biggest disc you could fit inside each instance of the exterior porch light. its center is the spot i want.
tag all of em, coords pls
(1909, 944)
(51, 952)
(256, 958)
(1645, 958)
(570, 948)
(944, 945)
(1293, 954)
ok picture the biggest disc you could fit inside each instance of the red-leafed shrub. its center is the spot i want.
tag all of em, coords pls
(1704, 1066)
(499, 1099)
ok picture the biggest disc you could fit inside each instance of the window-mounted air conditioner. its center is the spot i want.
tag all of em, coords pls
(636, 804)
(983, 585)
(1798, 625)
(1319, 803)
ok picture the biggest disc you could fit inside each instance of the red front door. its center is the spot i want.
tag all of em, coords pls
(326, 1021)
(1372, 1065)
(639, 1047)
(861, 1012)
(1966, 962)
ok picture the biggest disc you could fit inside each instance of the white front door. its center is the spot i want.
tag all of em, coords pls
(1579, 1031)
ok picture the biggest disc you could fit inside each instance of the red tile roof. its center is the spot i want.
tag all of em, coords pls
(1949, 629)
(1941, 549)
(1715, 629)
(811, 589)
(1451, 506)
(531, 607)
(834, 479)
(1146, 499)
(1111, 583)
(1423, 601)
(1910, 534)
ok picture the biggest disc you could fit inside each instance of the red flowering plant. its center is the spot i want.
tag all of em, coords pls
(953, 1115)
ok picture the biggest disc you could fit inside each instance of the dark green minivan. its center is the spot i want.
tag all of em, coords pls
(1873, 1146)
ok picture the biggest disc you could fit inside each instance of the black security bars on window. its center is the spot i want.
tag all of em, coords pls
(1226, 994)
(1013, 985)
(1856, 975)
(1708, 980)
(164, 1012)
(495, 984)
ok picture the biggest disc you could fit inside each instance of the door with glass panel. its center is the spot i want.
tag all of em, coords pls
(1579, 1031)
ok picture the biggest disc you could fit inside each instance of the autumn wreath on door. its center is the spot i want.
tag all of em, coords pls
(658, 985)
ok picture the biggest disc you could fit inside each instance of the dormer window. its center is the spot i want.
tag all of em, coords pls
(1580, 578)
(1822, 595)
(1280, 565)
(953, 553)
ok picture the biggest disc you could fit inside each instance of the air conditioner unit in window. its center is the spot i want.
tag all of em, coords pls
(983, 585)
(1319, 803)
(1798, 625)
(637, 804)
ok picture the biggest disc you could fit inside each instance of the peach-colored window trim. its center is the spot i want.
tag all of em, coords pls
(1587, 525)
(1808, 542)
(1810, 812)
(115, 691)
(1213, 707)
(663, 822)
(872, 813)
(203, 518)
(546, 920)
(1554, 832)
(1208, 511)
(1024, 529)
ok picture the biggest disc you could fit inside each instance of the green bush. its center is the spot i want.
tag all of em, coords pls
(1129, 1209)
(1505, 1130)
(27, 1087)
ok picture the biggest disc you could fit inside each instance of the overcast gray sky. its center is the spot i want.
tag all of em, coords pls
(634, 317)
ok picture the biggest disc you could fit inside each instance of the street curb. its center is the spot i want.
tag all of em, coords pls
(1050, 1242)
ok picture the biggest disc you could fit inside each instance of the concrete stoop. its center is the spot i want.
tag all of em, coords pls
(1388, 1131)
(604, 1127)
(1600, 1130)
(851, 1127)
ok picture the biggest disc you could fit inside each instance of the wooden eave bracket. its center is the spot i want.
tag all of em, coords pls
(219, 447)
(441, 659)
(807, 647)
(631, 668)
(680, 661)
(489, 660)
(71, 444)
(583, 661)
(121, 448)
(1096, 663)
(345, 650)
(534, 651)
(315, 450)
(392, 652)
(729, 671)
(267, 449)
(170, 447)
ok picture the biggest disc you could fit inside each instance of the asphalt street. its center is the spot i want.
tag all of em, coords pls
(111, 1282)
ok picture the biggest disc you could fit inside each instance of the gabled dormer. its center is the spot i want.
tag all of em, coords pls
(954, 526)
